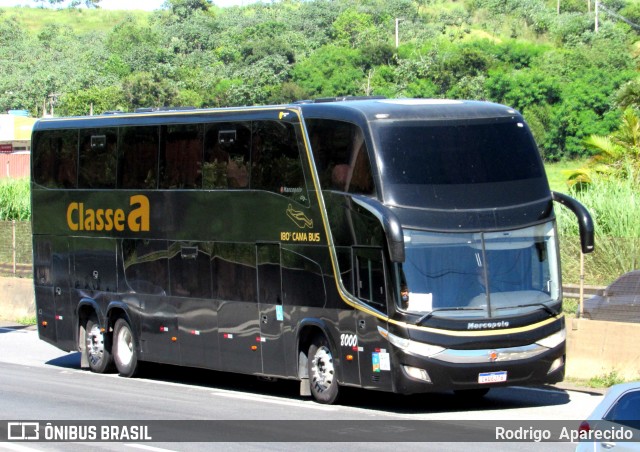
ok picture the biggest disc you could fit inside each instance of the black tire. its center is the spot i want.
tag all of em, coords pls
(125, 355)
(97, 347)
(472, 394)
(322, 372)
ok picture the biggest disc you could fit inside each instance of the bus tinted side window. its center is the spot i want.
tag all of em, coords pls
(146, 266)
(55, 158)
(226, 155)
(341, 157)
(139, 157)
(98, 158)
(190, 269)
(234, 272)
(181, 156)
(275, 160)
(370, 282)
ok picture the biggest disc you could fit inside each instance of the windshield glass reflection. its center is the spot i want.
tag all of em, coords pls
(479, 274)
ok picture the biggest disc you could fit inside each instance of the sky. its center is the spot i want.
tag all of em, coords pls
(147, 5)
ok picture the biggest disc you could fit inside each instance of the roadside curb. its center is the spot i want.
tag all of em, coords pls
(568, 386)
(8, 324)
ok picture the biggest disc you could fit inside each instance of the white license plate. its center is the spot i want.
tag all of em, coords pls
(492, 377)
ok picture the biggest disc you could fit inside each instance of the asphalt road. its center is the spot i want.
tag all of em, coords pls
(186, 409)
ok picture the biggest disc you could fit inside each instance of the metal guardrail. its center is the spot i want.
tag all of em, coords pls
(573, 290)
(19, 270)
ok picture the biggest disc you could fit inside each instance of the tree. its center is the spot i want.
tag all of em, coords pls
(94, 100)
(144, 89)
(185, 8)
(616, 155)
(331, 71)
(629, 94)
(133, 47)
(351, 27)
(73, 3)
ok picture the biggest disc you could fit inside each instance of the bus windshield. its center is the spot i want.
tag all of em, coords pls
(485, 274)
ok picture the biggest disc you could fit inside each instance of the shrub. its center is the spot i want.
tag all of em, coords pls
(15, 201)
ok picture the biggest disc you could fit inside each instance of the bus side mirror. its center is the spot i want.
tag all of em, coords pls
(390, 224)
(585, 222)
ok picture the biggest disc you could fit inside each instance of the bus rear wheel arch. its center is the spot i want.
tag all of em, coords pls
(323, 378)
(125, 354)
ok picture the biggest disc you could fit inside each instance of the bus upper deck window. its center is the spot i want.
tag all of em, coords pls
(181, 156)
(226, 155)
(98, 158)
(55, 158)
(341, 156)
(275, 160)
(139, 149)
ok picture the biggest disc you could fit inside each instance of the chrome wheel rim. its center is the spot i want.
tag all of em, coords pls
(95, 344)
(322, 369)
(125, 346)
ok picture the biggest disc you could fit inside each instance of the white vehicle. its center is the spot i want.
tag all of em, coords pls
(614, 425)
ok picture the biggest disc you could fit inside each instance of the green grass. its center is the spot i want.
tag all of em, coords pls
(15, 199)
(26, 321)
(615, 208)
(81, 21)
(558, 180)
(606, 380)
(570, 306)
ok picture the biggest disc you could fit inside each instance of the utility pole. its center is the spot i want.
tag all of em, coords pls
(597, 12)
(398, 20)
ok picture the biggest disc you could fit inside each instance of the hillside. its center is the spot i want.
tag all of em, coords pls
(568, 80)
(80, 21)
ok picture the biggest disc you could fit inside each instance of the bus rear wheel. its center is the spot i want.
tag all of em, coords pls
(98, 347)
(124, 349)
(322, 372)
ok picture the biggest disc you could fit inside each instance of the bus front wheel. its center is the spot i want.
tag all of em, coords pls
(98, 348)
(124, 349)
(322, 373)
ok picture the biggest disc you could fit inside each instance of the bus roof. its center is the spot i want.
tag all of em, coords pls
(412, 109)
(371, 109)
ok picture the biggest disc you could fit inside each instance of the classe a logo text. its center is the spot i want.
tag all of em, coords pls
(81, 217)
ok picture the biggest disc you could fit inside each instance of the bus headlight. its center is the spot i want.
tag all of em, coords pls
(417, 373)
(413, 347)
(555, 365)
(554, 340)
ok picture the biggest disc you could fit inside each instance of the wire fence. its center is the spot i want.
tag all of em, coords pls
(16, 254)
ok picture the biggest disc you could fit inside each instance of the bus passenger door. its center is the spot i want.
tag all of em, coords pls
(234, 288)
(271, 310)
(190, 283)
(371, 289)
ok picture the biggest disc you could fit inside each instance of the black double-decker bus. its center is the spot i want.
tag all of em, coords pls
(398, 245)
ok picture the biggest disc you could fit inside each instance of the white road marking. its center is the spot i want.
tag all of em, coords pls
(18, 447)
(274, 400)
(151, 448)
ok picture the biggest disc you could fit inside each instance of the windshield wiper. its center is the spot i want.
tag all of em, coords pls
(428, 315)
(551, 311)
